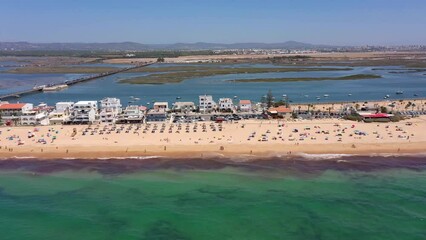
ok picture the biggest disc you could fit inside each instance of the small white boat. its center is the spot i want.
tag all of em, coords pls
(350, 94)
(55, 88)
(39, 88)
(399, 92)
(326, 95)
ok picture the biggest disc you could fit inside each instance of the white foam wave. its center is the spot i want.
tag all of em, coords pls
(325, 156)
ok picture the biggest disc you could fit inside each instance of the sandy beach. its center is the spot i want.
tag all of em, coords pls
(202, 139)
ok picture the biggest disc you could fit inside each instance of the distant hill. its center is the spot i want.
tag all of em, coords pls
(132, 46)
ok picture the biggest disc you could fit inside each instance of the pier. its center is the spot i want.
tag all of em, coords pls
(69, 83)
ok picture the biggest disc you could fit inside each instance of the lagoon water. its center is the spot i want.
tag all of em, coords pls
(410, 82)
(124, 199)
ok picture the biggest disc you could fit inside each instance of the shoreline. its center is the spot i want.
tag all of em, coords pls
(208, 151)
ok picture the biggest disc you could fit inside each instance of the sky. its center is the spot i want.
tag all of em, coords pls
(335, 22)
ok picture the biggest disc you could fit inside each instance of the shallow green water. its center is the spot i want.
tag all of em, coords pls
(213, 204)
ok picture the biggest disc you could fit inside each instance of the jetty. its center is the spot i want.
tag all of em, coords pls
(69, 83)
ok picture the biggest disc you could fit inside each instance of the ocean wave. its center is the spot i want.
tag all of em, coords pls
(324, 156)
(329, 156)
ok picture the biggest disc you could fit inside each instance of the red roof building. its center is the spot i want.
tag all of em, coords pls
(280, 112)
(245, 102)
(12, 106)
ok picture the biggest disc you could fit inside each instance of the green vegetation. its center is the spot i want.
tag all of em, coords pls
(349, 77)
(353, 117)
(401, 70)
(181, 73)
(62, 69)
(397, 117)
(201, 67)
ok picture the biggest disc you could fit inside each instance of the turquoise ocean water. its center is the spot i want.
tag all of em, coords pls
(374, 198)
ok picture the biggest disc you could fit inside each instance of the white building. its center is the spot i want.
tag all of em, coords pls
(84, 112)
(225, 104)
(161, 106)
(183, 106)
(206, 103)
(35, 118)
(11, 112)
(110, 109)
(132, 114)
(61, 113)
(245, 106)
(64, 107)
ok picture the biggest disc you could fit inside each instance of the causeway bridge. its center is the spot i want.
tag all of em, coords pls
(70, 82)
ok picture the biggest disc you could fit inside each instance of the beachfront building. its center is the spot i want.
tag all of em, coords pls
(84, 112)
(132, 114)
(226, 104)
(11, 113)
(156, 115)
(161, 106)
(183, 106)
(280, 112)
(110, 109)
(206, 103)
(61, 113)
(39, 115)
(375, 117)
(245, 106)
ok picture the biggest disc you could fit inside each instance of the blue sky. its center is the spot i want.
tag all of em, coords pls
(343, 22)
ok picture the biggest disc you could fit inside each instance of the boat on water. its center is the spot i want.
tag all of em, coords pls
(54, 88)
(416, 95)
(350, 94)
(177, 97)
(39, 88)
(399, 92)
(326, 95)
(136, 99)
